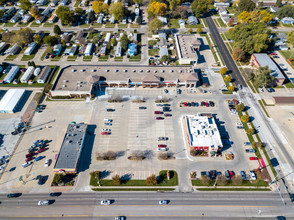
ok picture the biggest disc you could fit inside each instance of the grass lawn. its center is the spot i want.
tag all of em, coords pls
(47, 24)
(122, 25)
(221, 23)
(18, 76)
(262, 106)
(84, 25)
(135, 26)
(78, 2)
(28, 57)
(287, 53)
(152, 42)
(232, 189)
(87, 58)
(198, 182)
(215, 22)
(118, 59)
(103, 59)
(194, 26)
(72, 58)
(289, 85)
(34, 24)
(9, 24)
(22, 24)
(11, 58)
(136, 58)
(96, 25)
(93, 35)
(153, 52)
(45, 52)
(54, 74)
(173, 23)
(108, 25)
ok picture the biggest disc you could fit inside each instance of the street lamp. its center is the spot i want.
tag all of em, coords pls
(275, 181)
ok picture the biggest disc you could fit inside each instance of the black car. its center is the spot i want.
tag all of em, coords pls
(211, 103)
(142, 107)
(13, 195)
(213, 174)
(110, 110)
(166, 109)
(55, 194)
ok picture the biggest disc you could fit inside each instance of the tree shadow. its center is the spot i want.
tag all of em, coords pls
(104, 174)
(120, 153)
(125, 178)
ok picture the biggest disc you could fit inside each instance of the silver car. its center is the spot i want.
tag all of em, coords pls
(43, 202)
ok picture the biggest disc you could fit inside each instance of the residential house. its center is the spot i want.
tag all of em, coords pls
(40, 19)
(27, 75)
(41, 2)
(163, 51)
(118, 50)
(103, 50)
(64, 2)
(181, 23)
(2, 46)
(12, 50)
(54, 3)
(274, 9)
(163, 19)
(222, 10)
(132, 51)
(73, 50)
(282, 36)
(79, 36)
(57, 49)
(288, 20)
(107, 37)
(100, 18)
(284, 47)
(27, 18)
(46, 11)
(11, 74)
(221, 4)
(16, 17)
(192, 20)
(30, 49)
(53, 18)
(43, 76)
(88, 51)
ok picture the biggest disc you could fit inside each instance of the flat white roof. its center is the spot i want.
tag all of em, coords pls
(10, 99)
(203, 131)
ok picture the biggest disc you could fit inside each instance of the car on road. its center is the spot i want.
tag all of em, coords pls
(110, 110)
(13, 195)
(163, 202)
(39, 158)
(105, 202)
(243, 175)
(105, 133)
(252, 158)
(252, 175)
(47, 163)
(247, 143)
(159, 118)
(162, 138)
(158, 112)
(119, 218)
(250, 150)
(43, 202)
(142, 107)
(55, 194)
(29, 159)
(26, 164)
(167, 115)
(276, 56)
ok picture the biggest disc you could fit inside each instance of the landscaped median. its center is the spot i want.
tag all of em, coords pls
(165, 180)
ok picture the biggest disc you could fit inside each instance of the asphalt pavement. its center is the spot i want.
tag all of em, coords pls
(230, 64)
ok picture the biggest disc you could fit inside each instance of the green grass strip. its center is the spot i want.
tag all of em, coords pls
(133, 189)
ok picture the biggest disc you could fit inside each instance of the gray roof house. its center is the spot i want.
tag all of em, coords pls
(163, 51)
(192, 20)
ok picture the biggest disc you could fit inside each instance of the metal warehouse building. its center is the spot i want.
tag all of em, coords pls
(11, 100)
(71, 149)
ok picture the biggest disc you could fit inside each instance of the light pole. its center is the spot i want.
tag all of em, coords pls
(279, 189)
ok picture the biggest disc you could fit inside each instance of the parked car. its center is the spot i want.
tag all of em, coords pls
(158, 112)
(29, 159)
(243, 175)
(231, 173)
(252, 158)
(250, 150)
(107, 124)
(105, 133)
(110, 110)
(159, 118)
(227, 175)
(106, 129)
(40, 180)
(179, 91)
(247, 143)
(252, 175)
(162, 138)
(161, 146)
(47, 163)
(42, 149)
(166, 105)
(161, 149)
(142, 107)
(167, 115)
(30, 154)
(159, 105)
(213, 174)
(211, 103)
(39, 158)
(26, 164)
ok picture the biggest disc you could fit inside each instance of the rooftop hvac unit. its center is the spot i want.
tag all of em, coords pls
(134, 71)
(125, 71)
(162, 71)
(171, 71)
(73, 70)
(79, 85)
(82, 70)
(141, 71)
(79, 82)
(93, 70)
(180, 71)
(148, 71)
(155, 71)
(65, 81)
(115, 70)
(106, 70)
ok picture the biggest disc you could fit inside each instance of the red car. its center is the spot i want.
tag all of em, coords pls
(52, 56)
(158, 112)
(159, 118)
(206, 104)
(167, 115)
(30, 155)
(161, 145)
(252, 158)
(105, 133)
(273, 54)
(29, 159)
(231, 173)
(41, 150)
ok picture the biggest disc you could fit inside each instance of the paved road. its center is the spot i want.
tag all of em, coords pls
(225, 53)
(145, 204)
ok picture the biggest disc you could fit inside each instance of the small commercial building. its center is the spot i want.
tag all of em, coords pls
(11, 100)
(30, 49)
(71, 149)
(263, 60)
(44, 74)
(27, 75)
(11, 74)
(187, 47)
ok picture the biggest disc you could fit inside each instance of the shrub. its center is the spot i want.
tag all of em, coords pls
(228, 79)
(240, 107)
(151, 180)
(237, 180)
(108, 155)
(137, 155)
(250, 131)
(47, 88)
(223, 70)
(245, 118)
(205, 180)
(163, 156)
(116, 180)
(221, 180)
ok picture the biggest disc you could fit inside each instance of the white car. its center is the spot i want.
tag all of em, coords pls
(105, 202)
(106, 129)
(47, 163)
(43, 202)
(26, 164)
(239, 124)
(4, 157)
(163, 202)
(252, 175)
(161, 149)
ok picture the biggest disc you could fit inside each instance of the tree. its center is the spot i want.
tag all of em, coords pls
(117, 11)
(223, 70)
(23, 37)
(253, 144)
(151, 180)
(199, 30)
(231, 22)
(228, 78)
(79, 11)
(50, 40)
(244, 17)
(97, 6)
(245, 118)
(205, 180)
(3, 2)
(34, 12)
(113, 42)
(238, 54)
(199, 7)
(116, 180)
(180, 11)
(265, 16)
(162, 156)
(105, 8)
(237, 180)
(262, 77)
(246, 5)
(155, 25)
(25, 4)
(250, 131)
(165, 58)
(139, 2)
(155, 9)
(190, 30)
(221, 180)
(259, 144)
(37, 39)
(124, 42)
(57, 30)
(1, 13)
(286, 11)
(139, 20)
(65, 14)
(91, 16)
(240, 107)
(279, 3)
(290, 37)
(231, 88)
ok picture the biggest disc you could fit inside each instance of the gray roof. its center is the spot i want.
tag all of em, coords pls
(163, 51)
(264, 60)
(282, 36)
(192, 20)
(71, 148)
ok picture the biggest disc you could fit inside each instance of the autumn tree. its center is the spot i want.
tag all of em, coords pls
(116, 180)
(231, 88)
(156, 9)
(199, 30)
(245, 118)
(105, 8)
(57, 30)
(262, 77)
(238, 54)
(25, 4)
(117, 11)
(223, 70)
(286, 11)
(231, 22)
(250, 131)
(228, 78)
(151, 180)
(23, 37)
(79, 11)
(97, 6)
(37, 39)
(180, 11)
(155, 25)
(34, 12)
(290, 37)
(190, 30)
(205, 180)
(237, 180)
(221, 180)
(240, 107)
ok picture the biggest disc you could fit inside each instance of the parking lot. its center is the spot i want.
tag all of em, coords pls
(132, 129)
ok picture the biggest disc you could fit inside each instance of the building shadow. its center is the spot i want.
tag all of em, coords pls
(23, 101)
